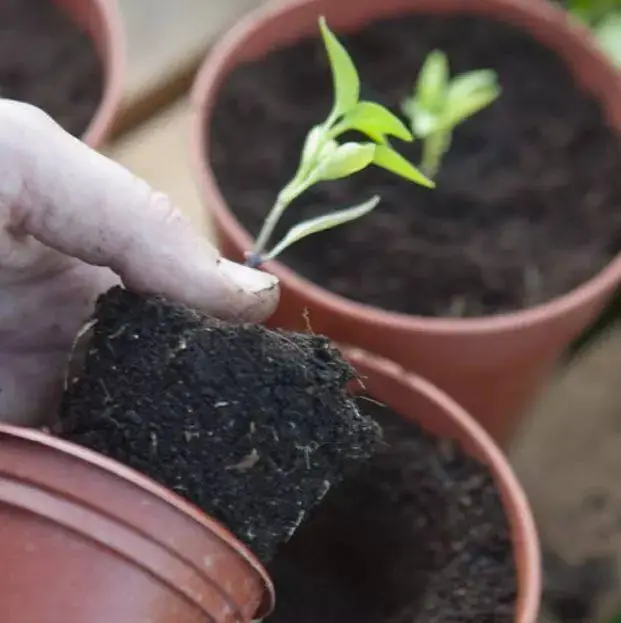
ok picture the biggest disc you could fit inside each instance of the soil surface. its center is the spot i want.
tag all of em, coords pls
(251, 425)
(526, 206)
(47, 61)
(419, 535)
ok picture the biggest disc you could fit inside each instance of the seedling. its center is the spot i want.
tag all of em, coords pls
(323, 158)
(603, 17)
(439, 104)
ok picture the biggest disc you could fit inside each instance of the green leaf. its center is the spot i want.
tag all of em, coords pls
(345, 160)
(458, 111)
(470, 83)
(433, 81)
(312, 145)
(422, 121)
(344, 74)
(322, 223)
(387, 158)
(375, 121)
(608, 35)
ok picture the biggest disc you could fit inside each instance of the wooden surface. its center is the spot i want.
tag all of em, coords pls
(166, 41)
(159, 152)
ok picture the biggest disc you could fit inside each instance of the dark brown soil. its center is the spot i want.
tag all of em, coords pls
(527, 204)
(47, 61)
(251, 425)
(418, 536)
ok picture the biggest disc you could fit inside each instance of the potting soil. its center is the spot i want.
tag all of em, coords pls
(253, 426)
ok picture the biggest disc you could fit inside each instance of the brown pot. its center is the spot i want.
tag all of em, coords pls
(101, 20)
(420, 402)
(88, 540)
(491, 365)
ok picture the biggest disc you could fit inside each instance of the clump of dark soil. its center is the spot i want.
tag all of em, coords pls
(47, 61)
(251, 425)
(419, 535)
(527, 201)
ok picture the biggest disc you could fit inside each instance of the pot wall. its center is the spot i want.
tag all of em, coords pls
(101, 20)
(87, 539)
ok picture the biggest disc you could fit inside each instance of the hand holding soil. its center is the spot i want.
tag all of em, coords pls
(73, 225)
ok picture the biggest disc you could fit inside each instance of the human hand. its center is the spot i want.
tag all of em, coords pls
(73, 224)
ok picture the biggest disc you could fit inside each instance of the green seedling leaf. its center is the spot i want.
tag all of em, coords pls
(608, 35)
(345, 160)
(387, 158)
(468, 84)
(459, 110)
(322, 223)
(312, 145)
(376, 122)
(344, 74)
(424, 123)
(432, 81)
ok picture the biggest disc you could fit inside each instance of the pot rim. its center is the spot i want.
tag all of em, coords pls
(204, 95)
(112, 55)
(524, 535)
(141, 481)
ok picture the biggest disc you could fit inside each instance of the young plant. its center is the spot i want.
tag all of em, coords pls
(439, 104)
(323, 158)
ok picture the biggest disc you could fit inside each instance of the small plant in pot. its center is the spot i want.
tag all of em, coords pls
(324, 159)
(479, 284)
(65, 58)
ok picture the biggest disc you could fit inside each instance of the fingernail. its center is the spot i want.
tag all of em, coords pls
(248, 279)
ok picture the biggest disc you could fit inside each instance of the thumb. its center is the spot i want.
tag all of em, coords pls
(82, 204)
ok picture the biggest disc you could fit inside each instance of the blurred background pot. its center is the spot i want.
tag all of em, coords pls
(101, 22)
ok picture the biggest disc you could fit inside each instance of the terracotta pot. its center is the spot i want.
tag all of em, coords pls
(422, 403)
(101, 20)
(87, 539)
(491, 365)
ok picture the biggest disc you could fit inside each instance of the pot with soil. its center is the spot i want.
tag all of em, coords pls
(478, 284)
(67, 58)
(434, 528)
(87, 539)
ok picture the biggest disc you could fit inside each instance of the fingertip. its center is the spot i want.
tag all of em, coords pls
(248, 279)
(258, 291)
